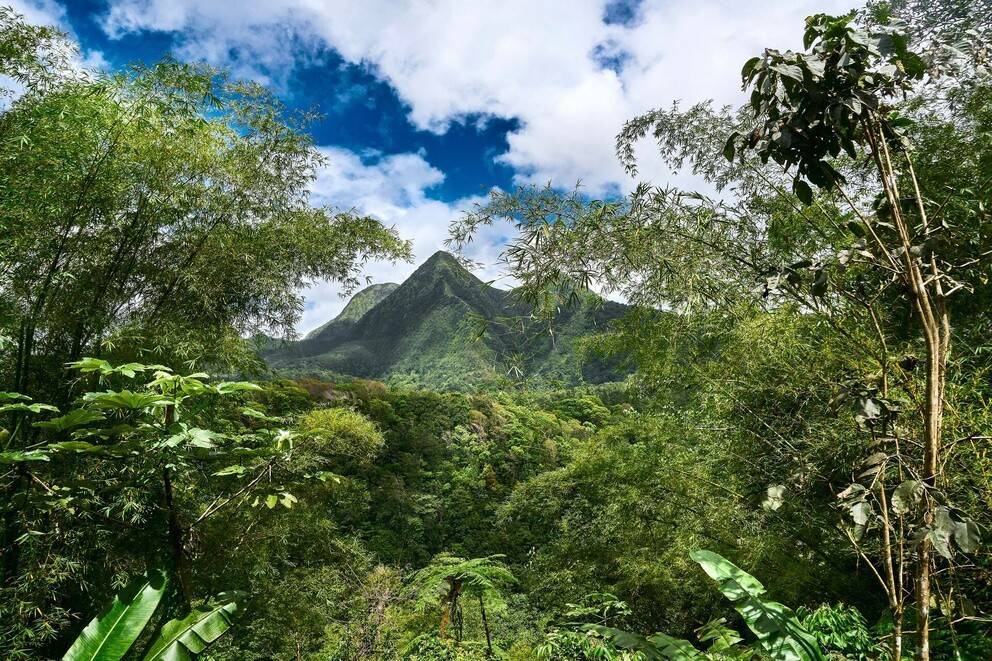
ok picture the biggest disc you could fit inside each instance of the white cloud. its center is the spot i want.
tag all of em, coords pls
(530, 59)
(393, 189)
(39, 12)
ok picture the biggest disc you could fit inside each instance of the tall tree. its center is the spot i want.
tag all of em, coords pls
(447, 578)
(164, 207)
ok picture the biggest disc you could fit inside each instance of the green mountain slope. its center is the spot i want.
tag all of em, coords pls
(359, 304)
(444, 328)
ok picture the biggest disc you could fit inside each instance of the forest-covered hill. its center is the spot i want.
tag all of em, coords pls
(445, 328)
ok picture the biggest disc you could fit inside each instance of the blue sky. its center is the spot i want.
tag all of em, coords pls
(429, 104)
(361, 111)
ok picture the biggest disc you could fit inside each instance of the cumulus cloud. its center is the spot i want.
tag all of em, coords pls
(50, 12)
(47, 12)
(40, 12)
(569, 76)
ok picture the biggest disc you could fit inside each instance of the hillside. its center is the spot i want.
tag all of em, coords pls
(445, 328)
(356, 308)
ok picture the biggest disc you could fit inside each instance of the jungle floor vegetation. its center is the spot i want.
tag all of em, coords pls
(795, 467)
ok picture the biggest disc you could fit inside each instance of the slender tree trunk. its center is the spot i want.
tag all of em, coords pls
(12, 528)
(485, 627)
(175, 527)
(450, 614)
(897, 619)
(11, 531)
(935, 323)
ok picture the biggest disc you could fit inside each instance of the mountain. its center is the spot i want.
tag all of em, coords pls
(428, 331)
(356, 308)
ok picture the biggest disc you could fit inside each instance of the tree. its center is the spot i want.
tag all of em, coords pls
(209, 481)
(162, 210)
(33, 57)
(132, 474)
(447, 578)
(840, 95)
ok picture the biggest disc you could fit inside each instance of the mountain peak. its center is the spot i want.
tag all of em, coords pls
(441, 257)
(442, 266)
(363, 301)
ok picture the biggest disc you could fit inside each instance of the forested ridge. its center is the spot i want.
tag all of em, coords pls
(778, 448)
(443, 328)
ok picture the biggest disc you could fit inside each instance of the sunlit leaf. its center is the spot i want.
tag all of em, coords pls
(74, 418)
(112, 633)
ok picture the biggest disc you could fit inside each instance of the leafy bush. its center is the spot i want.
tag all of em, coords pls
(584, 409)
(344, 432)
(430, 647)
(842, 629)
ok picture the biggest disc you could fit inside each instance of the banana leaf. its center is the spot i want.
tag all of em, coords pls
(110, 634)
(778, 629)
(183, 639)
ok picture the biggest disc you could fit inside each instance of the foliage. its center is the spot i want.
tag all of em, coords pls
(842, 630)
(111, 634)
(125, 463)
(430, 647)
(447, 578)
(839, 230)
(186, 637)
(780, 634)
(343, 432)
(177, 214)
(791, 404)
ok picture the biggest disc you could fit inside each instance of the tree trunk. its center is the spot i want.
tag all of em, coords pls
(928, 300)
(450, 614)
(175, 527)
(897, 635)
(485, 627)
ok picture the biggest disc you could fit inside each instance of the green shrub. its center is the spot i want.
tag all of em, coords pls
(842, 629)
(344, 432)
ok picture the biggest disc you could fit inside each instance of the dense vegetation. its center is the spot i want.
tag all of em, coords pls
(795, 466)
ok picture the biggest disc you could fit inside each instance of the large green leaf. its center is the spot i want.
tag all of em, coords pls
(21, 407)
(74, 418)
(18, 456)
(111, 633)
(776, 626)
(124, 399)
(907, 496)
(182, 640)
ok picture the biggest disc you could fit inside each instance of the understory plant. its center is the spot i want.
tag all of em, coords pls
(112, 633)
(779, 633)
